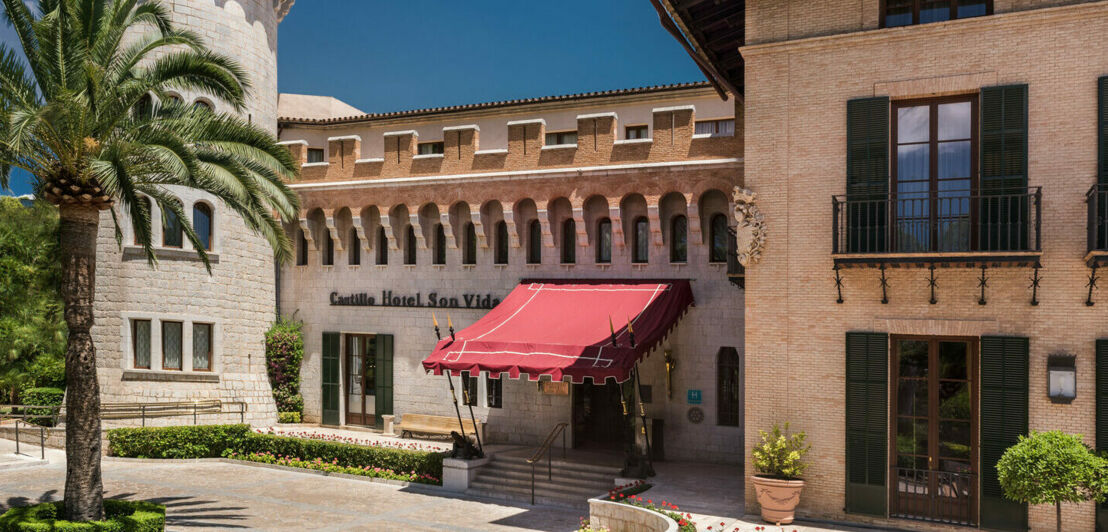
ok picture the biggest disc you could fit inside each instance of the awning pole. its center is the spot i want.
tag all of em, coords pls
(476, 433)
(454, 397)
(642, 412)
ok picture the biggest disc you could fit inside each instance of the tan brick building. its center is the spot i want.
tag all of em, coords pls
(884, 138)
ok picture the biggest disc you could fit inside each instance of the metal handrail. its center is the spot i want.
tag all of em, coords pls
(133, 410)
(544, 449)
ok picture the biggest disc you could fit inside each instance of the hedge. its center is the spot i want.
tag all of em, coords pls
(120, 516)
(45, 396)
(211, 441)
(288, 417)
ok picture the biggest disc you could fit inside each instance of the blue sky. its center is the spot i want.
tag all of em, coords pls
(388, 56)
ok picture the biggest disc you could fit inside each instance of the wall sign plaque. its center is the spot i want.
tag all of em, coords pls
(695, 415)
(389, 298)
(694, 397)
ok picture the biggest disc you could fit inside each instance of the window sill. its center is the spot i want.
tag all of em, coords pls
(353, 267)
(604, 266)
(568, 265)
(428, 156)
(381, 266)
(169, 376)
(439, 267)
(534, 266)
(469, 266)
(410, 267)
(500, 266)
(560, 147)
(135, 253)
(640, 266)
(634, 141)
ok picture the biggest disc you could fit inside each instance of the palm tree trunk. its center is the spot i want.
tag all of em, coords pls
(84, 491)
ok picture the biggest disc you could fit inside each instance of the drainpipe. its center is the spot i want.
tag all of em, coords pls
(277, 287)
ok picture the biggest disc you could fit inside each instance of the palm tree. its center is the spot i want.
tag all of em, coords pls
(82, 115)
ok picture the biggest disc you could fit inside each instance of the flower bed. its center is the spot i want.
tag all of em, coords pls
(120, 516)
(684, 521)
(333, 467)
(337, 438)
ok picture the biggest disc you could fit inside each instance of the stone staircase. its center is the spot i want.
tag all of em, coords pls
(508, 477)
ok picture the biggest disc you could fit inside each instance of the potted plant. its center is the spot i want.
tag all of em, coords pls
(779, 461)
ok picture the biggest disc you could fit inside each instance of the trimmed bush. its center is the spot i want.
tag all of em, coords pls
(200, 441)
(284, 352)
(345, 454)
(1052, 468)
(288, 417)
(42, 397)
(120, 516)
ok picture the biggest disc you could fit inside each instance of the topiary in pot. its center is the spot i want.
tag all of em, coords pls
(779, 461)
(1052, 468)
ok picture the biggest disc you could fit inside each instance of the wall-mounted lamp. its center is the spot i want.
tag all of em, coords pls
(671, 364)
(1061, 371)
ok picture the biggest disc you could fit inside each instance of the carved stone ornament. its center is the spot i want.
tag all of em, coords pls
(750, 228)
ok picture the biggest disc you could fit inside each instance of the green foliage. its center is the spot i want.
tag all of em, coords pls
(284, 352)
(780, 455)
(32, 331)
(1052, 467)
(210, 441)
(119, 516)
(333, 467)
(43, 397)
(288, 417)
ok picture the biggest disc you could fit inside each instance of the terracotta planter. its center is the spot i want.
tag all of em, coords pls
(778, 498)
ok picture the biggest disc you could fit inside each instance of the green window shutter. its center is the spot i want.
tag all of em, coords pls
(1004, 366)
(867, 426)
(330, 378)
(1102, 130)
(383, 394)
(1102, 417)
(867, 173)
(1004, 169)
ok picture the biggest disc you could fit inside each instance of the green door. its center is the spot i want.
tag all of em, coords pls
(383, 388)
(330, 378)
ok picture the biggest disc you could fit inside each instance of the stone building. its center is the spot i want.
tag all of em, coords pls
(931, 176)
(173, 332)
(447, 210)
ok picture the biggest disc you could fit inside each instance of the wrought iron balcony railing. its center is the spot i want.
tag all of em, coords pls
(937, 496)
(938, 224)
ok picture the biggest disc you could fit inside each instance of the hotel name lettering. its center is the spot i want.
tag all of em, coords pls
(432, 300)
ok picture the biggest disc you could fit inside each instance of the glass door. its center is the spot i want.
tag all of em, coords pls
(934, 447)
(360, 372)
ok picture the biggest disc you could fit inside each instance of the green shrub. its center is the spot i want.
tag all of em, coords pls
(288, 417)
(1051, 468)
(331, 467)
(201, 441)
(779, 455)
(284, 352)
(42, 397)
(120, 516)
(346, 454)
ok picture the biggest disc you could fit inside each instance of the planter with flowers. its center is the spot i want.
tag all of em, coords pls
(779, 461)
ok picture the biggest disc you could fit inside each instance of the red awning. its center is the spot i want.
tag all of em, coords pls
(561, 328)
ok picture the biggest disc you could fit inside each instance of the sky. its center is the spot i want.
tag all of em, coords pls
(390, 56)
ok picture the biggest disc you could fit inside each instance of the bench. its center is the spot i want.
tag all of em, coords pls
(441, 425)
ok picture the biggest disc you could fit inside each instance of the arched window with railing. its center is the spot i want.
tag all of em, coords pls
(469, 248)
(534, 242)
(640, 252)
(604, 241)
(502, 242)
(569, 241)
(679, 239)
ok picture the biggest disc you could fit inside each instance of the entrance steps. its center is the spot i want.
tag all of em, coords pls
(508, 477)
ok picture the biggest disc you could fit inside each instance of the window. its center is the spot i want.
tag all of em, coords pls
(909, 12)
(202, 224)
(729, 373)
(355, 255)
(716, 128)
(145, 107)
(410, 246)
(604, 241)
(140, 343)
(561, 137)
(534, 242)
(172, 232)
(146, 203)
(174, 99)
(569, 241)
(637, 132)
(315, 155)
(640, 253)
(202, 347)
(202, 105)
(494, 391)
(382, 246)
(469, 389)
(171, 344)
(430, 148)
(440, 245)
(328, 248)
(301, 248)
(718, 238)
(501, 242)
(469, 252)
(679, 239)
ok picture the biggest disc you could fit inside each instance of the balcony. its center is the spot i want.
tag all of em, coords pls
(942, 228)
(1097, 202)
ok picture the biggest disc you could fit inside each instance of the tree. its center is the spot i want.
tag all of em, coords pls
(87, 115)
(32, 333)
(1052, 468)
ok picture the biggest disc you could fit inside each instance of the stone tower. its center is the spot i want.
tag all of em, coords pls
(172, 332)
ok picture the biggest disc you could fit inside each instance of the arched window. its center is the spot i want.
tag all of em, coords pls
(604, 241)
(502, 242)
(354, 256)
(640, 254)
(569, 241)
(718, 238)
(301, 248)
(469, 251)
(729, 378)
(145, 201)
(172, 232)
(202, 224)
(679, 239)
(410, 246)
(440, 245)
(202, 105)
(173, 99)
(382, 246)
(534, 242)
(145, 106)
(328, 248)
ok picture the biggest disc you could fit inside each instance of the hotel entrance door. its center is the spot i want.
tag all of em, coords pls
(361, 379)
(598, 421)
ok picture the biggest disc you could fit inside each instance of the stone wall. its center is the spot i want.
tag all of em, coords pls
(618, 517)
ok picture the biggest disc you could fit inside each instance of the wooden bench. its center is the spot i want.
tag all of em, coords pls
(441, 425)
